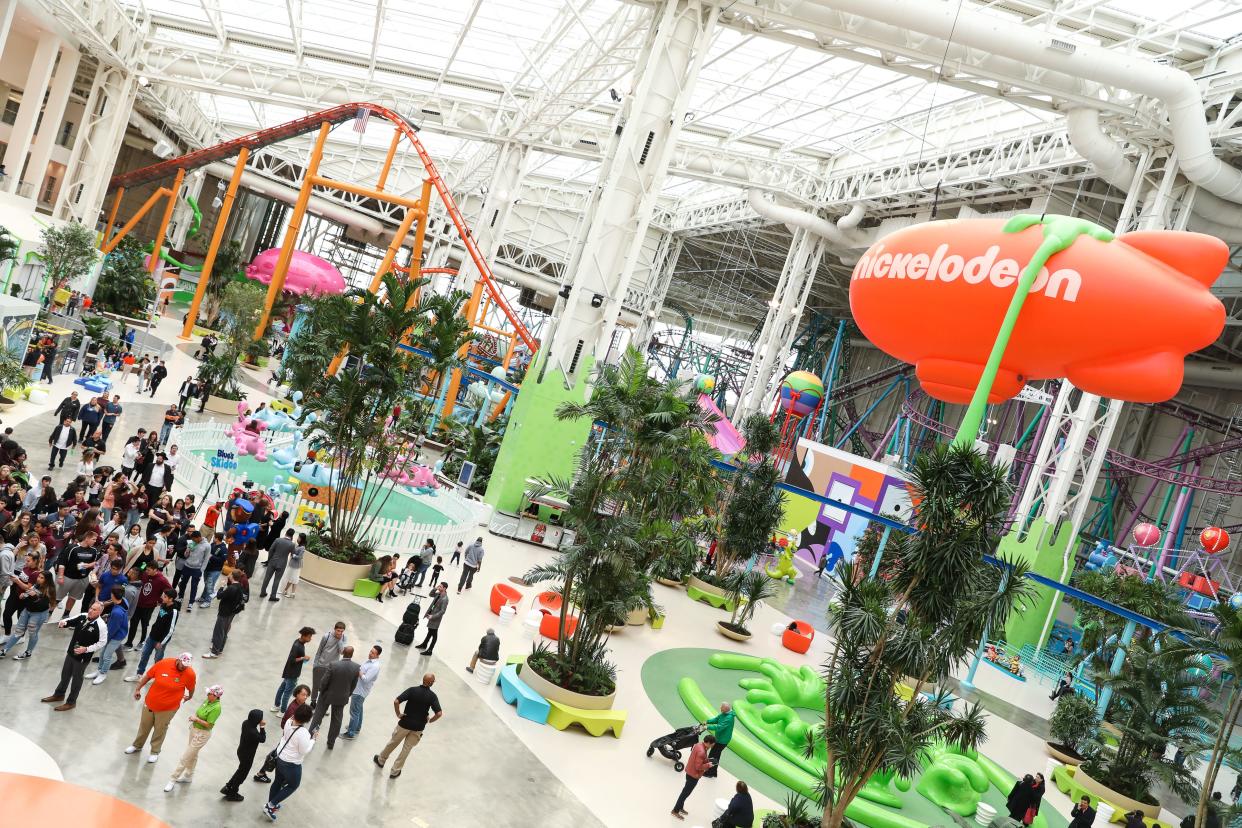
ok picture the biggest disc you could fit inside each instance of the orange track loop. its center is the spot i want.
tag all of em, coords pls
(338, 115)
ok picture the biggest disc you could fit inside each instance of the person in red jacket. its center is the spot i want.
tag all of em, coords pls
(151, 588)
(697, 765)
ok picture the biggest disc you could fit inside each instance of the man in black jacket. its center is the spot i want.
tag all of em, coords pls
(1082, 815)
(89, 634)
(158, 477)
(338, 685)
(62, 439)
(157, 375)
(232, 601)
(69, 407)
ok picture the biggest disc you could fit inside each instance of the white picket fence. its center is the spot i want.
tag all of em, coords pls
(389, 536)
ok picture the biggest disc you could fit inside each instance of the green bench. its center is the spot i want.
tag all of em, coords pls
(1063, 777)
(717, 601)
(366, 588)
(596, 722)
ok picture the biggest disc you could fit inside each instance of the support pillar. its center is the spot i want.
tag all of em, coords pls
(7, 7)
(661, 277)
(37, 78)
(779, 326)
(615, 228)
(53, 117)
(105, 118)
(217, 238)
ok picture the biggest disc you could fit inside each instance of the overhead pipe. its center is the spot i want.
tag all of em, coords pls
(836, 234)
(283, 192)
(1211, 214)
(962, 36)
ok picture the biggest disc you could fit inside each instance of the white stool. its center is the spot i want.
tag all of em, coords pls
(530, 626)
(1104, 813)
(1052, 766)
(507, 613)
(778, 629)
(485, 671)
(984, 813)
(722, 805)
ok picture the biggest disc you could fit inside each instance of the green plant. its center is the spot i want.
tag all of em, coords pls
(928, 617)
(12, 376)
(68, 251)
(754, 506)
(798, 814)
(1157, 704)
(476, 444)
(352, 551)
(444, 332)
(676, 563)
(363, 411)
(596, 677)
(1073, 722)
(9, 247)
(218, 373)
(748, 590)
(227, 268)
(125, 287)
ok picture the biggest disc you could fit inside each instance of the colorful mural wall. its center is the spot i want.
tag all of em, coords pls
(822, 529)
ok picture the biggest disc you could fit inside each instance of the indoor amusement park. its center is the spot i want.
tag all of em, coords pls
(845, 397)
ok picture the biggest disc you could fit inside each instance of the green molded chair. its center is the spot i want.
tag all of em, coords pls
(596, 722)
(366, 588)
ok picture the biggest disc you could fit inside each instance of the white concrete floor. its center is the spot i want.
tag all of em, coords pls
(613, 778)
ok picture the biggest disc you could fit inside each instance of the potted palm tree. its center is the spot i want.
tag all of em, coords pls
(748, 590)
(1072, 723)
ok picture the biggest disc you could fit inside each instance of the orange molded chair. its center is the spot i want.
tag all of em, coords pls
(798, 640)
(549, 627)
(503, 594)
(548, 602)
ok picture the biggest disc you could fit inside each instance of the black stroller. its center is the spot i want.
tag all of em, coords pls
(671, 746)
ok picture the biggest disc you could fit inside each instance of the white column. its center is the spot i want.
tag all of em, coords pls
(32, 101)
(630, 180)
(780, 324)
(7, 7)
(103, 127)
(53, 116)
(489, 230)
(661, 277)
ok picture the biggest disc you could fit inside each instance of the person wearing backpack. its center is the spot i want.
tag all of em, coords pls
(232, 602)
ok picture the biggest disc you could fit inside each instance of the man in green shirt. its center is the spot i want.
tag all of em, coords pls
(202, 722)
(721, 726)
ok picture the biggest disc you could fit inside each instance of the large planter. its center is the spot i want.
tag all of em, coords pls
(728, 631)
(1122, 804)
(704, 586)
(553, 692)
(668, 582)
(219, 405)
(1054, 750)
(332, 574)
(636, 618)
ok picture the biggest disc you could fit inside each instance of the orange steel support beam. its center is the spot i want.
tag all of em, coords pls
(385, 265)
(392, 152)
(420, 235)
(116, 206)
(365, 192)
(154, 261)
(217, 236)
(110, 244)
(291, 233)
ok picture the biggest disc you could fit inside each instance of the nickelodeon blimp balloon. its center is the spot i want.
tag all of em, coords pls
(801, 393)
(1214, 539)
(705, 383)
(1115, 316)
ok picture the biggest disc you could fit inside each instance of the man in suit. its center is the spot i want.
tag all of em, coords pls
(1082, 815)
(62, 439)
(338, 685)
(158, 478)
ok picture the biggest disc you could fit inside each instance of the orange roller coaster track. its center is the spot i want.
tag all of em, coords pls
(308, 124)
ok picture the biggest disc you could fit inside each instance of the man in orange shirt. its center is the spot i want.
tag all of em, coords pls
(172, 682)
(697, 765)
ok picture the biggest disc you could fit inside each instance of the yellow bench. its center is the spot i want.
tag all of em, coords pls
(596, 722)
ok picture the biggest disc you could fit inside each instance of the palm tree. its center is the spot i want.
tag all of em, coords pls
(920, 622)
(754, 507)
(9, 247)
(228, 265)
(1158, 702)
(444, 333)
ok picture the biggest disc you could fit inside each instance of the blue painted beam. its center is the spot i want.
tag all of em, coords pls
(470, 369)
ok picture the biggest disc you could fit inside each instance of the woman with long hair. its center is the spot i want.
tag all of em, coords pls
(37, 599)
(17, 528)
(161, 513)
(13, 589)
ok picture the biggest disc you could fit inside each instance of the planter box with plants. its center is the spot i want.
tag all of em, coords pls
(326, 572)
(747, 591)
(1072, 723)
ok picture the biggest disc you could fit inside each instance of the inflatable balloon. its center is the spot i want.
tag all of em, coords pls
(705, 384)
(801, 393)
(1146, 534)
(1214, 539)
(307, 273)
(1235, 600)
(248, 438)
(1117, 318)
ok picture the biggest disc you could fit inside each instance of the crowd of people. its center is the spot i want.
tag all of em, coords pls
(123, 562)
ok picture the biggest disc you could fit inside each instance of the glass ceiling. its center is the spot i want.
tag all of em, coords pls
(774, 97)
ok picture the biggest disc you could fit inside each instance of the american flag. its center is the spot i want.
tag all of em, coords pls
(360, 120)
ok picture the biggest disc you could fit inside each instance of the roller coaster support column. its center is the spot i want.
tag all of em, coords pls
(291, 233)
(116, 206)
(217, 237)
(1119, 658)
(615, 231)
(153, 261)
(1054, 503)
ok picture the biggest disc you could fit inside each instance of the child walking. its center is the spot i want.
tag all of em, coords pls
(253, 734)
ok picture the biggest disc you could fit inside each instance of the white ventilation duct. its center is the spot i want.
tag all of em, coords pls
(1203, 374)
(1212, 214)
(835, 234)
(962, 36)
(319, 206)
